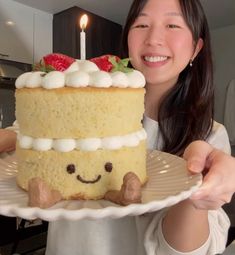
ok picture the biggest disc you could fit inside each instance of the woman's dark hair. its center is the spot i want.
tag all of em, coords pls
(186, 112)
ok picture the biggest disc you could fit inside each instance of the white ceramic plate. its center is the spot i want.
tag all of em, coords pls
(169, 182)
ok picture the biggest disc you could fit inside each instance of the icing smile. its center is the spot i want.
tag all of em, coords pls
(88, 181)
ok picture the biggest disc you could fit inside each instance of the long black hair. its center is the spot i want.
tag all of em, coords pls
(186, 111)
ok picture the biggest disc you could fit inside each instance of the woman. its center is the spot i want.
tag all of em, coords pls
(168, 41)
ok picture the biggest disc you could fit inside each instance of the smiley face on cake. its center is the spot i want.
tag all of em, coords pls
(80, 128)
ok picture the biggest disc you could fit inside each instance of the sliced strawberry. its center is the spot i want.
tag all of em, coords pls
(58, 61)
(104, 63)
(110, 63)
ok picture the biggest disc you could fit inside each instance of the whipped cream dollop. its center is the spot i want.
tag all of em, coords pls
(88, 144)
(81, 73)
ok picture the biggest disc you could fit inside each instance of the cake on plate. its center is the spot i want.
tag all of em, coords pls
(80, 128)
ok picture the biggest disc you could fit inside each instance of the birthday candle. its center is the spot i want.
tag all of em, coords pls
(83, 24)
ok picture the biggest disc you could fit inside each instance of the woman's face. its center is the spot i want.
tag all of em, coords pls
(160, 43)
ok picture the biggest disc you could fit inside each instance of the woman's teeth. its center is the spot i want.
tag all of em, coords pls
(155, 59)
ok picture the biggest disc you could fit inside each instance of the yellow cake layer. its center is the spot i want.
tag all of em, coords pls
(51, 167)
(79, 112)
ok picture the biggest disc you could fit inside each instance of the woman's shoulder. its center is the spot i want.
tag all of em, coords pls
(218, 129)
(218, 126)
(218, 137)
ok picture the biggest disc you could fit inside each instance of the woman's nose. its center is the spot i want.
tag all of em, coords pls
(155, 37)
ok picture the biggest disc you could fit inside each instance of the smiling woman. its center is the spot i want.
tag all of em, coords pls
(178, 111)
(147, 36)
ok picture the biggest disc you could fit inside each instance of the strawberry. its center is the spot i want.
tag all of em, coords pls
(59, 61)
(52, 62)
(103, 62)
(110, 63)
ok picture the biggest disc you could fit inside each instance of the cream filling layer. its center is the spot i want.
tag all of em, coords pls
(88, 144)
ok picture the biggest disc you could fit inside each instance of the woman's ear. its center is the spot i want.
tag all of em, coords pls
(198, 47)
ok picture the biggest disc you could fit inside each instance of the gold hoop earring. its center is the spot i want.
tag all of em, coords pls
(191, 62)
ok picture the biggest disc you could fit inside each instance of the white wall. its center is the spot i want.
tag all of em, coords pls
(43, 36)
(31, 35)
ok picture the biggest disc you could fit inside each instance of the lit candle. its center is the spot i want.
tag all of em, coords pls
(83, 24)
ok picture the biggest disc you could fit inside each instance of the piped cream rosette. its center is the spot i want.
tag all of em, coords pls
(81, 73)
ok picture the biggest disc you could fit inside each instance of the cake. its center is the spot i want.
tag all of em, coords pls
(80, 128)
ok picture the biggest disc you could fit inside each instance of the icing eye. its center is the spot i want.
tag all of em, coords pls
(108, 167)
(71, 168)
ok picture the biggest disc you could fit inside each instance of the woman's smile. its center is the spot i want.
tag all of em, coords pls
(155, 60)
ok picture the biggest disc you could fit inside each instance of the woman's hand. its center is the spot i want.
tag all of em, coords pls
(218, 170)
(7, 140)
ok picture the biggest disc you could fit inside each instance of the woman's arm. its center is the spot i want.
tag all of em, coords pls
(7, 140)
(185, 226)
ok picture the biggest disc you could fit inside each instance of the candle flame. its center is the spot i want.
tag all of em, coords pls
(83, 21)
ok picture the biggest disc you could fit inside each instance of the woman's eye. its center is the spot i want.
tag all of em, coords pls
(173, 26)
(140, 26)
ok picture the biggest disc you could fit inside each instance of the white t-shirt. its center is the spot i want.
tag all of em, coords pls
(139, 235)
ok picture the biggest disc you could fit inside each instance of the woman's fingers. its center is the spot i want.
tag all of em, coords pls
(218, 171)
(196, 155)
(7, 140)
